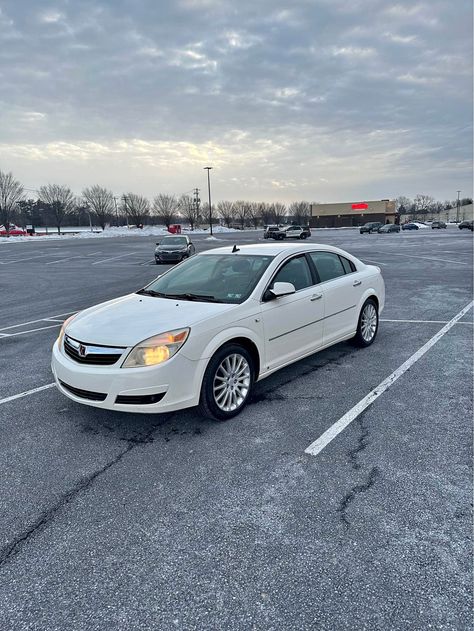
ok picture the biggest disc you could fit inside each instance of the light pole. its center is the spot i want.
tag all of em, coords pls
(209, 191)
(457, 207)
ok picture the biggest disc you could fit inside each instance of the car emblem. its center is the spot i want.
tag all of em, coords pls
(82, 350)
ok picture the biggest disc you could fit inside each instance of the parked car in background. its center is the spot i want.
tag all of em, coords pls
(371, 226)
(466, 224)
(389, 227)
(174, 249)
(14, 231)
(438, 224)
(410, 226)
(205, 331)
(291, 232)
(269, 230)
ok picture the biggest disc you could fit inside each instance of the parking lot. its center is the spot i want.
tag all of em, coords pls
(116, 521)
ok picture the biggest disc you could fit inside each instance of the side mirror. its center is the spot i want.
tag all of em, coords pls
(282, 289)
(158, 243)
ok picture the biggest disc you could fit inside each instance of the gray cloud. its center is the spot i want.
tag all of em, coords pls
(319, 99)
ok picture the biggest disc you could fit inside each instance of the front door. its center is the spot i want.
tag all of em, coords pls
(293, 324)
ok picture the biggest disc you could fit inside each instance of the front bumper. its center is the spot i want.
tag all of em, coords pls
(169, 257)
(178, 380)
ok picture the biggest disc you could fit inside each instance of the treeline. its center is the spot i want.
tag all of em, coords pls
(424, 205)
(57, 205)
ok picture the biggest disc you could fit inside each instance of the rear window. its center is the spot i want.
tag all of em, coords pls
(348, 266)
(328, 265)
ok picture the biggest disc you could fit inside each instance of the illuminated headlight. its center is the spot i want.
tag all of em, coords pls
(63, 328)
(157, 349)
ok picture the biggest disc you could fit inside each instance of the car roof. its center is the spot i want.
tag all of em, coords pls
(270, 249)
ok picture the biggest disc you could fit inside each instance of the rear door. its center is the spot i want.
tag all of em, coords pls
(293, 324)
(342, 286)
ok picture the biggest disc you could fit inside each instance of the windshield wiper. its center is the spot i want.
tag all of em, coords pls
(189, 296)
(151, 292)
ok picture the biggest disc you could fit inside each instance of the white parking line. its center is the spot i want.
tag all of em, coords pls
(27, 393)
(41, 328)
(28, 258)
(56, 315)
(330, 434)
(113, 258)
(79, 256)
(424, 321)
(426, 258)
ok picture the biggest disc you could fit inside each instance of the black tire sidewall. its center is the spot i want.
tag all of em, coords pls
(207, 404)
(358, 337)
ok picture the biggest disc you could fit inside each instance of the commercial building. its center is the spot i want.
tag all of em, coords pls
(352, 213)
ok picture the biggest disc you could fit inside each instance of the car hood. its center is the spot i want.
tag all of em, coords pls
(128, 320)
(171, 248)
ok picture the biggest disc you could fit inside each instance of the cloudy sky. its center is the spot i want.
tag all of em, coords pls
(324, 100)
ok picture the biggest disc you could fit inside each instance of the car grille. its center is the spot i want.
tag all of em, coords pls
(91, 354)
(170, 256)
(84, 394)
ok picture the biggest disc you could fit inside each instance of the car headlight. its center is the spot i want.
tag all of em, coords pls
(63, 329)
(157, 349)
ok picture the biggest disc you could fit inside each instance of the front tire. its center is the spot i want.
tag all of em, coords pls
(227, 383)
(368, 324)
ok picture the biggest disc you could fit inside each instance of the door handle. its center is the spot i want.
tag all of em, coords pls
(356, 283)
(316, 297)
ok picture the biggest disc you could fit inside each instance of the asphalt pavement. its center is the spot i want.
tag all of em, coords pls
(122, 521)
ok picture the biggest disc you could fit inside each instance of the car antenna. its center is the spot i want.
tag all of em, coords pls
(235, 249)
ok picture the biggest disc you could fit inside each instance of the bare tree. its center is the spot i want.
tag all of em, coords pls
(189, 210)
(265, 212)
(300, 211)
(423, 204)
(402, 204)
(242, 211)
(136, 207)
(226, 211)
(60, 201)
(165, 207)
(255, 214)
(101, 201)
(278, 212)
(11, 192)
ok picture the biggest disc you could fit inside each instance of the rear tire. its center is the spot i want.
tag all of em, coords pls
(227, 383)
(368, 324)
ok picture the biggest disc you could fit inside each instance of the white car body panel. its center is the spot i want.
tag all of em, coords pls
(282, 331)
(292, 326)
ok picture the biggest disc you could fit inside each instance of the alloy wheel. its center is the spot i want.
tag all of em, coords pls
(368, 322)
(231, 382)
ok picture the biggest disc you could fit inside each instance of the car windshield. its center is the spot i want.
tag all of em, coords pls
(228, 278)
(174, 241)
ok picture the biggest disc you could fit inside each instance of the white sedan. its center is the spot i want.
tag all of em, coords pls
(206, 330)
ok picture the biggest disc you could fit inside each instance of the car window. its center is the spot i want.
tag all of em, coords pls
(328, 265)
(295, 271)
(174, 241)
(227, 278)
(347, 265)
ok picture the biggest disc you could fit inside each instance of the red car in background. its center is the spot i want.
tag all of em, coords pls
(14, 231)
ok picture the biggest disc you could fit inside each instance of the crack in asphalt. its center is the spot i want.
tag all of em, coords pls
(351, 495)
(374, 473)
(362, 442)
(45, 518)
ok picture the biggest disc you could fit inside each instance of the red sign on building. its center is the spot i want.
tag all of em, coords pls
(360, 206)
